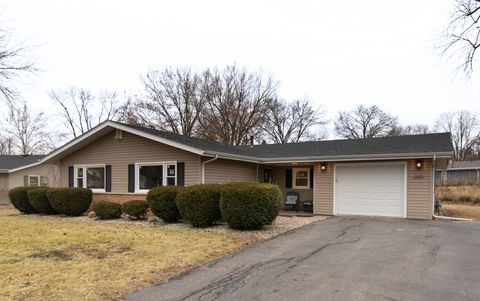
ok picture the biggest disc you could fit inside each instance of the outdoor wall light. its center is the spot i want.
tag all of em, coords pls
(419, 164)
(323, 167)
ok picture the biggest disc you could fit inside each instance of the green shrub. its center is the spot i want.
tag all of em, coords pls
(136, 209)
(70, 201)
(39, 201)
(162, 203)
(250, 206)
(19, 198)
(107, 210)
(199, 204)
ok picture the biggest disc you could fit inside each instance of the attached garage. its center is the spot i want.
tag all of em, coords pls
(377, 189)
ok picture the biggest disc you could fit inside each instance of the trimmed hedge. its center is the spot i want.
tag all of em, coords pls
(250, 206)
(19, 198)
(136, 209)
(39, 201)
(162, 203)
(199, 204)
(107, 210)
(70, 201)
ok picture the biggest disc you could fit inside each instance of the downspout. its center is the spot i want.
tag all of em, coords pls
(434, 173)
(203, 167)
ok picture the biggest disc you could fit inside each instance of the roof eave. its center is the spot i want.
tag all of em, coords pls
(399, 156)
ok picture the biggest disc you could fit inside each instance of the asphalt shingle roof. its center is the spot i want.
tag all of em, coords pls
(474, 164)
(15, 161)
(427, 143)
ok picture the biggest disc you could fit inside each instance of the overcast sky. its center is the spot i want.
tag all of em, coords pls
(337, 53)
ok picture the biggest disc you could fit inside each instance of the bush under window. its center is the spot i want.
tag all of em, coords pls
(162, 203)
(199, 204)
(135, 209)
(70, 201)
(39, 201)
(107, 210)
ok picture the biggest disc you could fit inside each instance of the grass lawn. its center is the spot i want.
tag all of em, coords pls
(461, 210)
(45, 258)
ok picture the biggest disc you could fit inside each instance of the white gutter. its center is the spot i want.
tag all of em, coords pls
(203, 167)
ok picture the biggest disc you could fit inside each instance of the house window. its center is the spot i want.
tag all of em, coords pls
(90, 176)
(151, 175)
(301, 178)
(33, 180)
(268, 175)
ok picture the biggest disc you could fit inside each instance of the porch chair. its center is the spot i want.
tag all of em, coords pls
(292, 200)
(307, 206)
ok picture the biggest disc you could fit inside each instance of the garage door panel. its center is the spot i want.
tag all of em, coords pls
(377, 189)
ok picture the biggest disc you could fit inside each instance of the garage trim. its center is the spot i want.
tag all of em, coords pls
(405, 179)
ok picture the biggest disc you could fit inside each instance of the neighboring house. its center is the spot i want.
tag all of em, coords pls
(459, 172)
(392, 176)
(9, 178)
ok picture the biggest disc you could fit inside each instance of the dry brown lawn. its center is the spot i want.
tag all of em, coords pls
(458, 194)
(52, 258)
(469, 211)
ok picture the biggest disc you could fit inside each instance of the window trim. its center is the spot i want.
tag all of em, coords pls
(33, 176)
(164, 165)
(294, 178)
(84, 167)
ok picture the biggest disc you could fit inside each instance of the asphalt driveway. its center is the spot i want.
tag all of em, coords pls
(343, 258)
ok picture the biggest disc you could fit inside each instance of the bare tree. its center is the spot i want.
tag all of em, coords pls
(293, 122)
(236, 103)
(81, 110)
(14, 63)
(465, 129)
(27, 130)
(415, 129)
(6, 145)
(175, 99)
(365, 122)
(463, 33)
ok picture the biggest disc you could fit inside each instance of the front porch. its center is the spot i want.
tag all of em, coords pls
(296, 184)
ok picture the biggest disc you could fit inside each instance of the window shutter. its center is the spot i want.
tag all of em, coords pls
(288, 178)
(25, 181)
(131, 177)
(108, 178)
(43, 181)
(70, 176)
(180, 174)
(311, 178)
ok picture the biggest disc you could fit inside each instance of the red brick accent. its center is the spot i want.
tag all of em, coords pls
(116, 197)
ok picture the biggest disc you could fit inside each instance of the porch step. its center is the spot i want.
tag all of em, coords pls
(295, 213)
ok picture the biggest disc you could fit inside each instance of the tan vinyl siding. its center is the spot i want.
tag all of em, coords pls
(3, 187)
(323, 189)
(130, 150)
(49, 175)
(419, 190)
(224, 171)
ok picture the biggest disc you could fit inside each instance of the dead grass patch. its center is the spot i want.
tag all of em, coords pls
(458, 194)
(54, 258)
(461, 210)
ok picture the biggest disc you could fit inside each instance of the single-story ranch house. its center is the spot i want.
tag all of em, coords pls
(391, 176)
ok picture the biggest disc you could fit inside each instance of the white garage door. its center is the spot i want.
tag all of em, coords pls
(373, 189)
